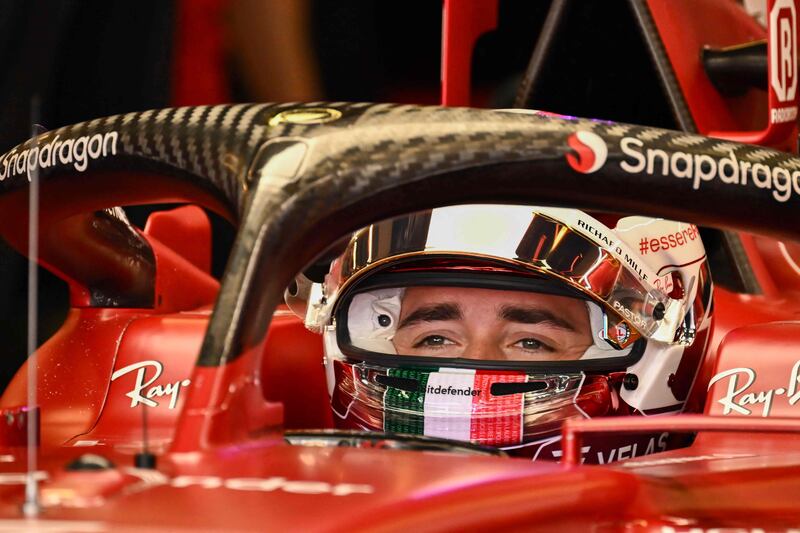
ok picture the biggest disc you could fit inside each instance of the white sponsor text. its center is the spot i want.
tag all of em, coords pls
(141, 393)
(702, 168)
(76, 152)
(738, 397)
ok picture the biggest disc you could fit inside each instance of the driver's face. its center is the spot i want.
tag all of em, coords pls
(491, 325)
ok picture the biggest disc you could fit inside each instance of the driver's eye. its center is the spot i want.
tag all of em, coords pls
(532, 344)
(433, 341)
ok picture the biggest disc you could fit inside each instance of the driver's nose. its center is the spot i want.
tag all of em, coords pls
(484, 348)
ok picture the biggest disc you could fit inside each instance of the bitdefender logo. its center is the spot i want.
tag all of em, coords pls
(591, 151)
(452, 391)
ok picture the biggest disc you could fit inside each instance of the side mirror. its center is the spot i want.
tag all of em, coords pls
(186, 230)
(181, 243)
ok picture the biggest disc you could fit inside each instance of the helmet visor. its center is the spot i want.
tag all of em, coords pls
(596, 267)
(479, 319)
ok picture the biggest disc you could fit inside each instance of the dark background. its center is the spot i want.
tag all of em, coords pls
(92, 58)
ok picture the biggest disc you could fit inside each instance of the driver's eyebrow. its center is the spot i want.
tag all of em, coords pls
(533, 315)
(433, 313)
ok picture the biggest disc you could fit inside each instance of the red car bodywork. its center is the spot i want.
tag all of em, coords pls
(106, 368)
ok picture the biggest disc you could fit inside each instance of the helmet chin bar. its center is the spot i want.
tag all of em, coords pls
(487, 408)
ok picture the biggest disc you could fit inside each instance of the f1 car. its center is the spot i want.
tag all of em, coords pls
(132, 429)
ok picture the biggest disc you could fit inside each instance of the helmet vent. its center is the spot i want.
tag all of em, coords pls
(504, 389)
(406, 384)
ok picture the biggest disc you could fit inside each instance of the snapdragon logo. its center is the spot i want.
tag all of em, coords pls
(702, 168)
(452, 391)
(76, 152)
(590, 149)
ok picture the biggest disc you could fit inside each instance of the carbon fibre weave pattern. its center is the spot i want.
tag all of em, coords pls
(215, 144)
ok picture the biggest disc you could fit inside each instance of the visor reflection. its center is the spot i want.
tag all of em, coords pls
(553, 247)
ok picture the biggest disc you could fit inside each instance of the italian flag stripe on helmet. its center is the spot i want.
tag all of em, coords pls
(455, 404)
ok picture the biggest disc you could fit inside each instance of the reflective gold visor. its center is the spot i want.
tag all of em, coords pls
(551, 247)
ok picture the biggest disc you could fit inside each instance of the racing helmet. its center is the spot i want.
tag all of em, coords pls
(495, 323)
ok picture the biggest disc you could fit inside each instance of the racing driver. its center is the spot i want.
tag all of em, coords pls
(493, 324)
